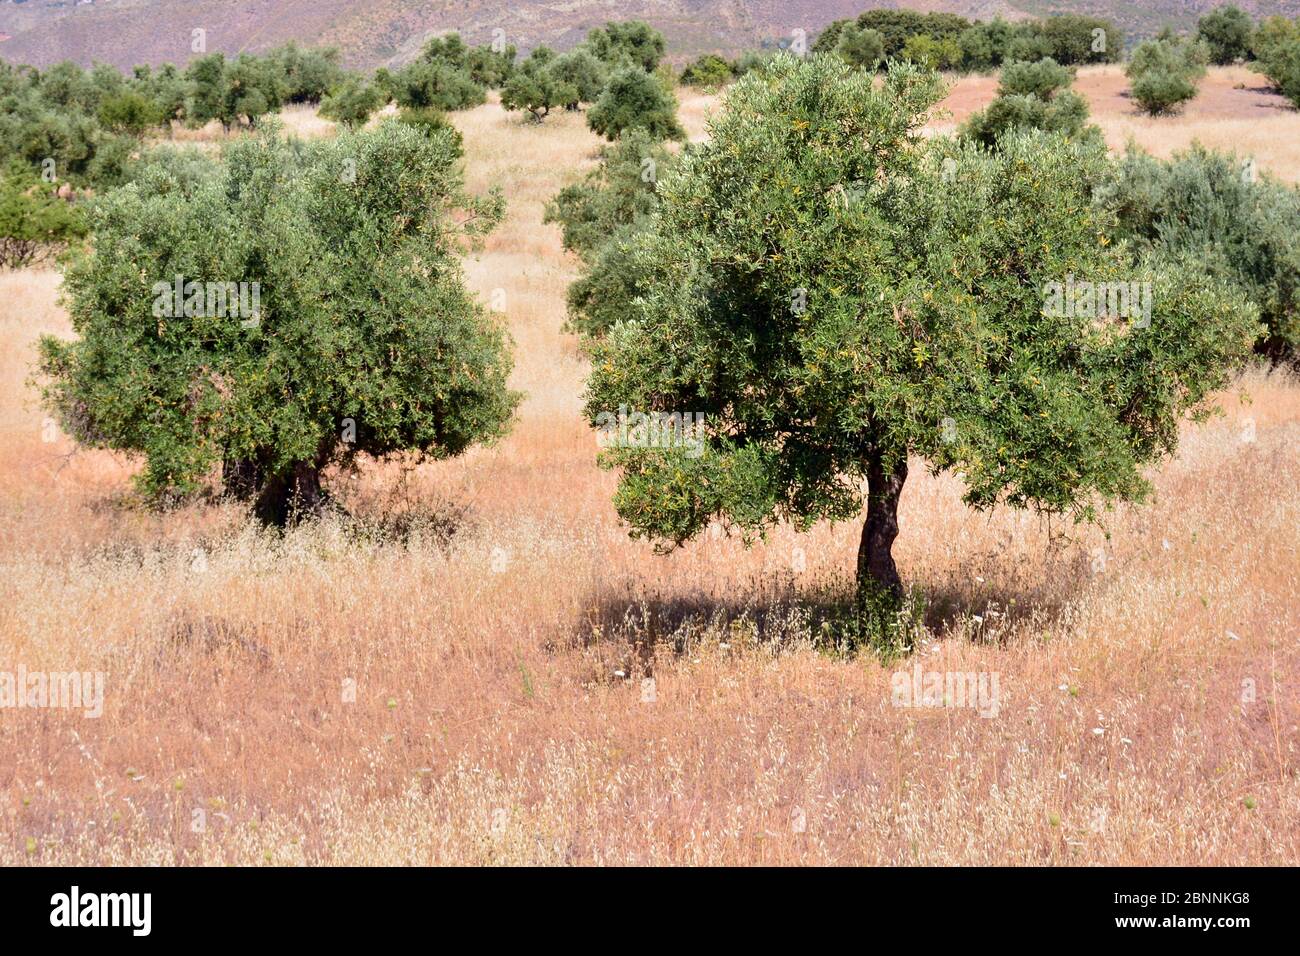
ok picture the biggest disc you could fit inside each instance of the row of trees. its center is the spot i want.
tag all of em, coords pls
(1164, 71)
(83, 126)
(615, 70)
(950, 42)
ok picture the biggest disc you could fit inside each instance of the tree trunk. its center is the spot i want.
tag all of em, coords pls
(880, 589)
(291, 496)
(241, 477)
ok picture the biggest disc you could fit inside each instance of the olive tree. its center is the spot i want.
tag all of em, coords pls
(634, 99)
(630, 42)
(1276, 46)
(1164, 73)
(599, 216)
(580, 71)
(32, 217)
(1218, 210)
(536, 87)
(851, 296)
(1031, 96)
(860, 47)
(1227, 32)
(352, 102)
(299, 307)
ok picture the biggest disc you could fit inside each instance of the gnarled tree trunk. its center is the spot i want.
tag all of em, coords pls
(291, 495)
(241, 477)
(880, 589)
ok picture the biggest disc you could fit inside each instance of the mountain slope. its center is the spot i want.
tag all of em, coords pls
(126, 32)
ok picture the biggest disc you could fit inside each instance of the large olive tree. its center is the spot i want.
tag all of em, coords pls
(837, 295)
(358, 337)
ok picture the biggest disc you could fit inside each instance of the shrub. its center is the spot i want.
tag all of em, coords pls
(1212, 209)
(859, 47)
(431, 122)
(826, 334)
(1078, 39)
(1272, 34)
(1227, 33)
(166, 88)
(751, 60)
(60, 144)
(32, 217)
(926, 51)
(633, 99)
(896, 27)
(708, 70)
(984, 45)
(129, 112)
(599, 216)
(1031, 96)
(1042, 79)
(1277, 51)
(829, 38)
(353, 102)
(1029, 45)
(631, 42)
(620, 192)
(580, 70)
(1164, 73)
(605, 292)
(360, 338)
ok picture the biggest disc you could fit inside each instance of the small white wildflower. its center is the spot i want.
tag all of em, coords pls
(1232, 636)
(1099, 730)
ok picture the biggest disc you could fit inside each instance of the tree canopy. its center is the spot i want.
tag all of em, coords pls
(298, 305)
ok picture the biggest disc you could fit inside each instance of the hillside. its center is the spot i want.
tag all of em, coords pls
(125, 32)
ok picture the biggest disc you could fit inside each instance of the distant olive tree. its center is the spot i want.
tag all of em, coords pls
(1227, 33)
(33, 218)
(707, 70)
(1276, 46)
(859, 47)
(1232, 220)
(536, 87)
(1164, 73)
(1031, 96)
(634, 99)
(353, 102)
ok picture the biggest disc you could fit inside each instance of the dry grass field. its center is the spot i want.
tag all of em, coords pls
(456, 676)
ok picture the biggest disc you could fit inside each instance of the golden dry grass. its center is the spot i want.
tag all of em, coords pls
(499, 713)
